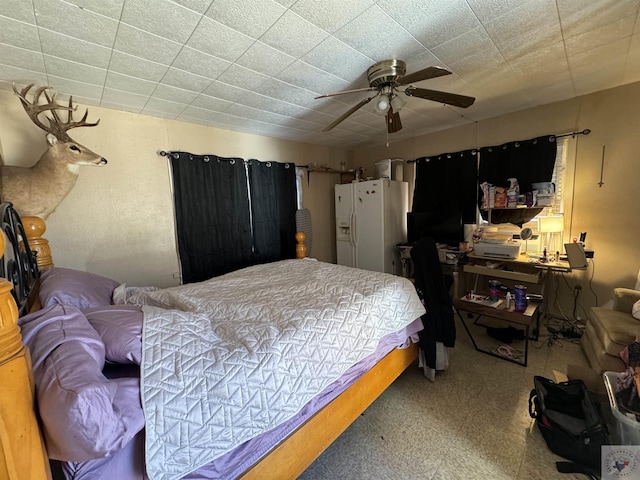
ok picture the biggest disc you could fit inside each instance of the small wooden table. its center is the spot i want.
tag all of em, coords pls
(525, 319)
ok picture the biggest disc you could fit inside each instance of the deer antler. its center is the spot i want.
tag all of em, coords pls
(56, 126)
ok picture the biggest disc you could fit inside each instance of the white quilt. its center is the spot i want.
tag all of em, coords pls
(227, 359)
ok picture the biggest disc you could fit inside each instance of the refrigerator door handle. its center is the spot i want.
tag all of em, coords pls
(354, 236)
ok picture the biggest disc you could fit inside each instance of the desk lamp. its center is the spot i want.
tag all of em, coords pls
(552, 225)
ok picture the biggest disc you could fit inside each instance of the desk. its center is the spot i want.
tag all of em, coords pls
(534, 275)
(525, 319)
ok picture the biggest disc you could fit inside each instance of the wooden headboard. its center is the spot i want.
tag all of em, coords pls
(22, 451)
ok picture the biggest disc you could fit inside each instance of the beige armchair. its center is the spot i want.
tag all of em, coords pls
(608, 331)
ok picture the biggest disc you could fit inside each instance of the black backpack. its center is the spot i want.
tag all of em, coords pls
(570, 423)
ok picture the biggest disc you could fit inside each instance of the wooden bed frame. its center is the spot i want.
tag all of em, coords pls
(22, 450)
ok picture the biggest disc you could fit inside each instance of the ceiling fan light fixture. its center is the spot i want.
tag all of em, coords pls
(397, 103)
(381, 106)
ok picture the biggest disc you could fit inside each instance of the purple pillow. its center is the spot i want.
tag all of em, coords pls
(120, 327)
(65, 286)
(84, 415)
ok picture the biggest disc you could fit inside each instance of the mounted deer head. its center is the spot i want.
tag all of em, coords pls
(39, 189)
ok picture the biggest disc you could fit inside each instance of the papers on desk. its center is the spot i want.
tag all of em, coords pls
(481, 300)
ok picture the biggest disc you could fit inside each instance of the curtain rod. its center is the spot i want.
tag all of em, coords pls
(586, 131)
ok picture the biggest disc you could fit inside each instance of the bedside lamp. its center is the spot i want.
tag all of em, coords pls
(551, 226)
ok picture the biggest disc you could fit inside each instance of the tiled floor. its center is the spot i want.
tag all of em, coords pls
(471, 423)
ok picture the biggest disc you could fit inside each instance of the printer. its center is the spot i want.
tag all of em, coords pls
(507, 250)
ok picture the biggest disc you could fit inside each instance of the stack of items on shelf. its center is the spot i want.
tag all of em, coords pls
(495, 197)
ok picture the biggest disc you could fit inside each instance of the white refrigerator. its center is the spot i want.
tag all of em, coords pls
(371, 218)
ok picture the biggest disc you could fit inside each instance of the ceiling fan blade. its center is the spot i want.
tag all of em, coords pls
(424, 74)
(461, 101)
(393, 121)
(365, 89)
(347, 113)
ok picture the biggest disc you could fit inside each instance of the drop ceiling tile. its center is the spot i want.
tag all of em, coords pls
(611, 60)
(581, 16)
(21, 58)
(79, 72)
(225, 91)
(338, 58)
(208, 102)
(18, 10)
(21, 76)
(199, 6)
(153, 16)
(553, 93)
(19, 34)
(469, 43)
(199, 63)
(306, 76)
(119, 97)
(330, 16)
(192, 112)
(262, 102)
(289, 26)
(78, 22)
(481, 65)
(175, 94)
(216, 39)
(547, 60)
(111, 9)
(185, 80)
(432, 23)
(251, 18)
(68, 48)
(424, 59)
(263, 58)
(611, 53)
(289, 93)
(126, 83)
(242, 77)
(137, 67)
(487, 10)
(286, 3)
(526, 28)
(608, 33)
(164, 106)
(74, 88)
(455, 19)
(364, 32)
(260, 115)
(145, 45)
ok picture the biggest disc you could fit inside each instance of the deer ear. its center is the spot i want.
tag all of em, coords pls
(51, 139)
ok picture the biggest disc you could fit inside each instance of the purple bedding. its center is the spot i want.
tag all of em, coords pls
(85, 353)
(127, 464)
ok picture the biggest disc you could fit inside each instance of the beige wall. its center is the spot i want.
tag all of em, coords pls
(118, 220)
(610, 214)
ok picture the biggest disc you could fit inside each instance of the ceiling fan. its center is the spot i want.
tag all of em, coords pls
(386, 78)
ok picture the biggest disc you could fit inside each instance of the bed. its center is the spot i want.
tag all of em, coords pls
(291, 440)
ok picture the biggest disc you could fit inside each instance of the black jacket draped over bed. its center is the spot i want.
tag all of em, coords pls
(439, 325)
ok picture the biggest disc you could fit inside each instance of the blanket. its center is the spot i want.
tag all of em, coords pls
(229, 358)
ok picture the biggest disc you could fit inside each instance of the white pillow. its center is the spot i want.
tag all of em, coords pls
(635, 310)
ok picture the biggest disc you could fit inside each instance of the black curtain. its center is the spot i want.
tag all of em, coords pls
(529, 161)
(212, 215)
(445, 192)
(273, 206)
